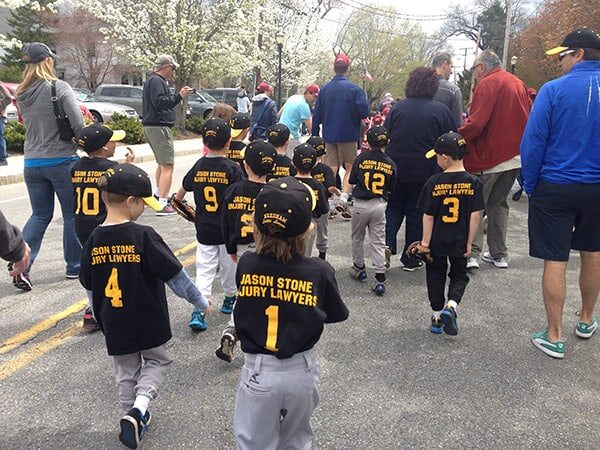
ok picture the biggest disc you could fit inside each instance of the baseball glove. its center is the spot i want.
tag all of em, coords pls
(183, 208)
(418, 251)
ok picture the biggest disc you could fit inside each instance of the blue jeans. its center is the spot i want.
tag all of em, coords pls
(403, 203)
(42, 183)
(2, 141)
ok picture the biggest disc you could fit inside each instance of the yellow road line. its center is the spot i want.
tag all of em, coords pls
(39, 350)
(45, 324)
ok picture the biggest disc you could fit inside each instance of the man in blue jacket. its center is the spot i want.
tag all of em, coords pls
(560, 154)
(340, 108)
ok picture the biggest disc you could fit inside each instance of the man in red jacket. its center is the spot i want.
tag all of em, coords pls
(493, 131)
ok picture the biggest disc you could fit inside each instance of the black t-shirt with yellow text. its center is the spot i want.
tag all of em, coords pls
(90, 210)
(237, 208)
(284, 167)
(281, 308)
(126, 267)
(322, 206)
(373, 175)
(451, 197)
(209, 179)
(236, 153)
(324, 175)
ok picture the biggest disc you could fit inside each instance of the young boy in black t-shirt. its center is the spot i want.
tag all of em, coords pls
(208, 179)
(124, 268)
(452, 202)
(99, 142)
(240, 127)
(304, 159)
(279, 136)
(237, 208)
(324, 175)
(284, 300)
(373, 176)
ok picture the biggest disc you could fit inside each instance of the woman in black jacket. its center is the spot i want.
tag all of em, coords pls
(414, 125)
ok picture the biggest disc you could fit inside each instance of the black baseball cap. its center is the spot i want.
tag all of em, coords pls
(260, 156)
(451, 144)
(130, 180)
(582, 38)
(378, 137)
(318, 144)
(36, 52)
(278, 134)
(305, 157)
(95, 136)
(283, 208)
(238, 123)
(215, 133)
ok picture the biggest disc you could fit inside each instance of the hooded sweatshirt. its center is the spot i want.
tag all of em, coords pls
(264, 114)
(42, 139)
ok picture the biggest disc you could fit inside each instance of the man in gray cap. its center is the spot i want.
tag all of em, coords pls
(158, 119)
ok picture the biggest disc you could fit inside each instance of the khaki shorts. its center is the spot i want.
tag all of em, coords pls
(340, 153)
(161, 143)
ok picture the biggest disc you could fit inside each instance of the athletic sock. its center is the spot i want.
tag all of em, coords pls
(380, 277)
(141, 403)
(156, 192)
(322, 255)
(163, 201)
(437, 314)
(452, 304)
(344, 197)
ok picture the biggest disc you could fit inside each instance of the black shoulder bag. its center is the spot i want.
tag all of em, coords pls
(64, 126)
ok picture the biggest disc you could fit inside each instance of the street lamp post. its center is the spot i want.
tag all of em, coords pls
(513, 64)
(280, 36)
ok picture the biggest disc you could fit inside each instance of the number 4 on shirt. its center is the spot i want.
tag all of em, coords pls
(112, 290)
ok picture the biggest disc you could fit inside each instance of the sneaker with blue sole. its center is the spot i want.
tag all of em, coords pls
(357, 274)
(228, 303)
(379, 289)
(449, 321)
(132, 428)
(436, 325)
(586, 330)
(550, 348)
(198, 322)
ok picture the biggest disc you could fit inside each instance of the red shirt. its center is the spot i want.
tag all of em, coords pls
(496, 122)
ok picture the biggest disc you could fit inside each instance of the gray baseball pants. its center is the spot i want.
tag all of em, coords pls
(369, 214)
(140, 374)
(275, 401)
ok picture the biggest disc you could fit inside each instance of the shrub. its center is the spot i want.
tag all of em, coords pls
(195, 124)
(14, 134)
(133, 128)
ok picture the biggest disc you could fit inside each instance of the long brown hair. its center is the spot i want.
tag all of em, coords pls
(222, 111)
(43, 70)
(282, 249)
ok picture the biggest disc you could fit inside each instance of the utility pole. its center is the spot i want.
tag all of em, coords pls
(507, 33)
(466, 49)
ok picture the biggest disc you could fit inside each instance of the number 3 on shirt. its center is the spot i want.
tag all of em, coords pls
(378, 180)
(272, 312)
(210, 195)
(453, 203)
(112, 290)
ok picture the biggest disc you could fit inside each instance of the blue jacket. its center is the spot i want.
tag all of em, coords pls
(561, 143)
(340, 107)
(264, 115)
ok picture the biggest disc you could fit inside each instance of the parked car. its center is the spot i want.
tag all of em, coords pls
(201, 103)
(125, 95)
(225, 95)
(103, 111)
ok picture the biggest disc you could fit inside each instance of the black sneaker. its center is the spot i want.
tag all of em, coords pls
(227, 347)
(89, 323)
(22, 280)
(449, 320)
(132, 428)
(412, 266)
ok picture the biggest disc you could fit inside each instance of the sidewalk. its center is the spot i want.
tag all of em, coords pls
(13, 173)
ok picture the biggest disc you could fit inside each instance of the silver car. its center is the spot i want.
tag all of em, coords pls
(103, 111)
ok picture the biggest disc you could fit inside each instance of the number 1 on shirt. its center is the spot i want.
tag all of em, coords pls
(272, 312)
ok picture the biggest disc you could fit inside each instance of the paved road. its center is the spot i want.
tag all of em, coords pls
(386, 382)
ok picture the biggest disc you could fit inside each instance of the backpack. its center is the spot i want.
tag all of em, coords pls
(5, 97)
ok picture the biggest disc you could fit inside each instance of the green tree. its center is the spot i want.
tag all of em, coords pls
(30, 22)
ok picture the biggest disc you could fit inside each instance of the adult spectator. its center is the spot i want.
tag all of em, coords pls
(296, 111)
(48, 156)
(3, 154)
(561, 170)
(14, 250)
(386, 102)
(493, 132)
(340, 108)
(414, 125)
(244, 105)
(448, 93)
(158, 119)
(264, 111)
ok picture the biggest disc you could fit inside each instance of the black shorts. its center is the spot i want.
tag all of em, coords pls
(563, 217)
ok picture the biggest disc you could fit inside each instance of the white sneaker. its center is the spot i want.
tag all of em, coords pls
(472, 263)
(500, 263)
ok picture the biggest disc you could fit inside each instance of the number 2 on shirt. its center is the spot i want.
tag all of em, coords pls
(378, 180)
(453, 203)
(272, 312)
(210, 195)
